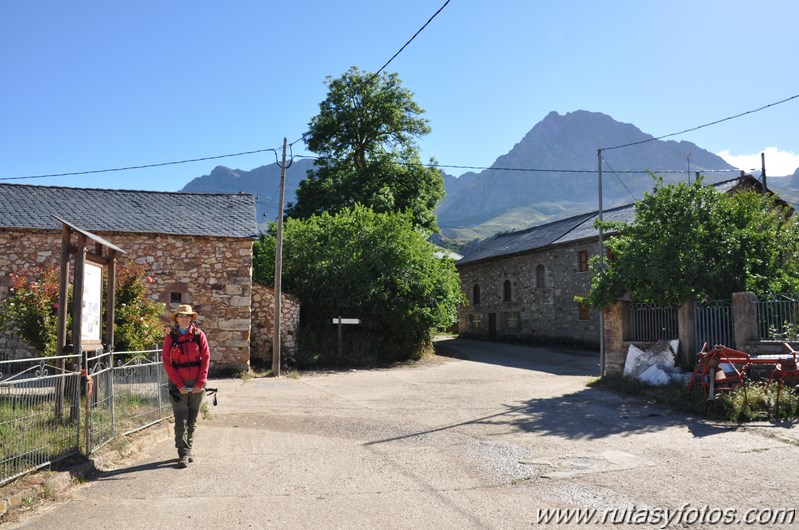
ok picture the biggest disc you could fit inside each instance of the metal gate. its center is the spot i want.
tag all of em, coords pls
(713, 323)
(652, 322)
(777, 317)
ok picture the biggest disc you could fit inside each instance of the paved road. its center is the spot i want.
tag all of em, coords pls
(483, 439)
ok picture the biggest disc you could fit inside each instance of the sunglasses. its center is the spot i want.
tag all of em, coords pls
(183, 315)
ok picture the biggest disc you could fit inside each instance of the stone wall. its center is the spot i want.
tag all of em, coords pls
(214, 275)
(23, 250)
(545, 313)
(263, 323)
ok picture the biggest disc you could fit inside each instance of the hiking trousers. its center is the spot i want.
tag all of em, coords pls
(185, 409)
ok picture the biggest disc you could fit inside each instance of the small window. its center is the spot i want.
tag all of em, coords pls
(506, 291)
(475, 321)
(582, 261)
(585, 312)
(476, 295)
(512, 320)
(175, 298)
(539, 276)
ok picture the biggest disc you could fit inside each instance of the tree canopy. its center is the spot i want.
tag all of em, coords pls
(361, 264)
(692, 241)
(366, 137)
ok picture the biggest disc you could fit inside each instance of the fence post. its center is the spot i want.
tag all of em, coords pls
(111, 389)
(86, 419)
(686, 332)
(744, 313)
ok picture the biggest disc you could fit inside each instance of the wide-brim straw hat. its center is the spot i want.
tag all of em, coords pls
(186, 309)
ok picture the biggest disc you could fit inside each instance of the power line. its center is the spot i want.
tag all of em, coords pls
(138, 167)
(371, 77)
(76, 173)
(615, 174)
(550, 170)
(481, 168)
(704, 125)
(411, 39)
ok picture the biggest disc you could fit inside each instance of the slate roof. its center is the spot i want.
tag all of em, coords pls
(538, 237)
(148, 212)
(569, 230)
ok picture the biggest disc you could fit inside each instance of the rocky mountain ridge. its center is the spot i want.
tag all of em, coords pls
(549, 174)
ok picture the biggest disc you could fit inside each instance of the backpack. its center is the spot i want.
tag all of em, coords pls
(175, 341)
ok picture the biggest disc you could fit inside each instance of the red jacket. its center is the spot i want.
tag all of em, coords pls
(186, 360)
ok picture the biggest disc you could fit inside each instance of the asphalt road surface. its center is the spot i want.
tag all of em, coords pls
(494, 436)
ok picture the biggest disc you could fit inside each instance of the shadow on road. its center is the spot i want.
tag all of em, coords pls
(149, 466)
(589, 414)
(553, 360)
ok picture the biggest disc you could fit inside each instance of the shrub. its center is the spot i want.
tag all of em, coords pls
(137, 319)
(31, 310)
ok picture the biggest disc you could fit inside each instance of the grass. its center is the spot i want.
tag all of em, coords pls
(751, 402)
(32, 434)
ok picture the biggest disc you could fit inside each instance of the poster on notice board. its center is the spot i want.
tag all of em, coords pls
(91, 318)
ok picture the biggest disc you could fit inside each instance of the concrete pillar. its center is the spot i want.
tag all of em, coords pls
(686, 334)
(744, 314)
(616, 317)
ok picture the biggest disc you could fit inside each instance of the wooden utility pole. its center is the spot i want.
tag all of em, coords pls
(601, 268)
(763, 172)
(279, 267)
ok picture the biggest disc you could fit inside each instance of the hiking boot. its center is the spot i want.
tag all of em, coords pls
(191, 458)
(183, 461)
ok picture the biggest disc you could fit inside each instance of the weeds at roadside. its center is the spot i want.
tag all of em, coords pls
(751, 402)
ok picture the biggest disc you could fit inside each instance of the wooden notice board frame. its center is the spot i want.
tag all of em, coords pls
(103, 256)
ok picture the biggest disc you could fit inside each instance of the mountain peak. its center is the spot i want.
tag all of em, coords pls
(549, 174)
(557, 164)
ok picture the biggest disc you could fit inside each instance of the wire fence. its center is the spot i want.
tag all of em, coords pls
(55, 407)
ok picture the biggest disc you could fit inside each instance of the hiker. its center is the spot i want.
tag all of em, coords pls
(186, 359)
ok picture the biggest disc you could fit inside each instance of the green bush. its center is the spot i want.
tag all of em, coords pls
(137, 319)
(372, 266)
(31, 310)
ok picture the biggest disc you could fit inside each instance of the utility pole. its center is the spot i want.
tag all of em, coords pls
(763, 172)
(689, 169)
(601, 268)
(279, 267)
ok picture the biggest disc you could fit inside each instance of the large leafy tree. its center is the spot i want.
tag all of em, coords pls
(691, 241)
(366, 137)
(361, 264)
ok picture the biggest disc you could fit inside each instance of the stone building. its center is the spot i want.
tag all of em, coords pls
(197, 248)
(263, 327)
(521, 285)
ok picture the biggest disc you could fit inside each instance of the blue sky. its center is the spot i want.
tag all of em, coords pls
(90, 85)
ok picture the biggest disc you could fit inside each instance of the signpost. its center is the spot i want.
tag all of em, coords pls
(87, 301)
(341, 321)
